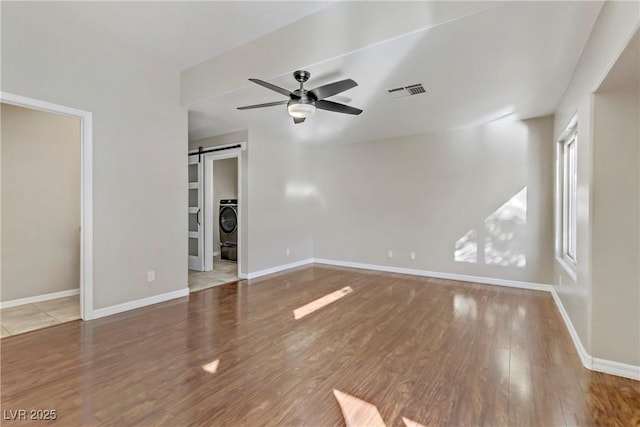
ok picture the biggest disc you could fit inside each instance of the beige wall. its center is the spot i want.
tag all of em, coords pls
(616, 212)
(139, 146)
(613, 29)
(225, 186)
(40, 203)
(441, 193)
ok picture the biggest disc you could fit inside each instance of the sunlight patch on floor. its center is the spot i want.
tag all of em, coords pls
(357, 412)
(211, 367)
(300, 312)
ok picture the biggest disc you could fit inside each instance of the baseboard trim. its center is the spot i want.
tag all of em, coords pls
(139, 303)
(39, 298)
(616, 368)
(279, 268)
(587, 360)
(438, 275)
(593, 363)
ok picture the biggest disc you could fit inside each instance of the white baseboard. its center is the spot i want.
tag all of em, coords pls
(587, 360)
(593, 363)
(438, 275)
(143, 302)
(39, 298)
(616, 368)
(279, 268)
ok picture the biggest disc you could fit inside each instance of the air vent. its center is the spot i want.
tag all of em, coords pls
(404, 91)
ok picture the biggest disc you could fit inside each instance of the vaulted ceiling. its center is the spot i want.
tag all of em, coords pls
(478, 61)
(511, 59)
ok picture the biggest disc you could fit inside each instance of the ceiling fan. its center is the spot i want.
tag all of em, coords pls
(302, 103)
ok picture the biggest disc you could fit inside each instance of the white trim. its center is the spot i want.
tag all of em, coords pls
(616, 368)
(593, 363)
(143, 302)
(439, 275)
(568, 268)
(582, 352)
(216, 253)
(209, 209)
(86, 190)
(39, 298)
(279, 268)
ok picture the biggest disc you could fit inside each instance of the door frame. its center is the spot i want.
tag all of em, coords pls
(86, 189)
(210, 209)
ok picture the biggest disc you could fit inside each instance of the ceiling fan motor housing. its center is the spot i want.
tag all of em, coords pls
(301, 75)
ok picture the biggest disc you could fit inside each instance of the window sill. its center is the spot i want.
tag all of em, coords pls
(569, 268)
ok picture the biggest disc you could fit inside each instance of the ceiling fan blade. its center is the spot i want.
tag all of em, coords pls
(333, 88)
(267, 104)
(298, 120)
(278, 89)
(338, 108)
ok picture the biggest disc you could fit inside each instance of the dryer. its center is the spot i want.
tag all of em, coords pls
(228, 222)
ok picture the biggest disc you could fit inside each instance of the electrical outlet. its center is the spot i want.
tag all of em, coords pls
(151, 276)
(288, 252)
(390, 253)
(413, 255)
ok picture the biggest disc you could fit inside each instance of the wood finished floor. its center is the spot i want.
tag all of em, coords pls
(437, 352)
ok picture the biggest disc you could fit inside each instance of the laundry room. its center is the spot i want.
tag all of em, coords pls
(225, 193)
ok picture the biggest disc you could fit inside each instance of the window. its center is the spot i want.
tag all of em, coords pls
(569, 151)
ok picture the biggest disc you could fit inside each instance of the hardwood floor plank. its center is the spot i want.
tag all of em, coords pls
(432, 351)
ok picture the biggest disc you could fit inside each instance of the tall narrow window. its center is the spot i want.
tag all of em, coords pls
(569, 188)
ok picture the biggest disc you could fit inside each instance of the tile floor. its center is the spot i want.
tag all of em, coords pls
(29, 317)
(223, 272)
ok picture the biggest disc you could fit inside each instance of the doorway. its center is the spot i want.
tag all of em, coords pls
(45, 206)
(214, 216)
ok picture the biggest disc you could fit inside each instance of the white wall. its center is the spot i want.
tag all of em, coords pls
(279, 200)
(425, 193)
(140, 146)
(616, 212)
(612, 31)
(225, 186)
(40, 203)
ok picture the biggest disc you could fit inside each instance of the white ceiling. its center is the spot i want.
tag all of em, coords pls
(178, 34)
(511, 58)
(514, 59)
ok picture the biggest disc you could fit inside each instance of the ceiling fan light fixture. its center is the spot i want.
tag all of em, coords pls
(301, 110)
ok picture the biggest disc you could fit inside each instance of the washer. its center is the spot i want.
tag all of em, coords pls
(228, 222)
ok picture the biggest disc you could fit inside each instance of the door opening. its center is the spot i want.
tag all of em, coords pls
(72, 219)
(215, 226)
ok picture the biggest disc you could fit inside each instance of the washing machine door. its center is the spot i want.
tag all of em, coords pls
(228, 220)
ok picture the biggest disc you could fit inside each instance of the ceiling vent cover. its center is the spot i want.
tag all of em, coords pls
(404, 91)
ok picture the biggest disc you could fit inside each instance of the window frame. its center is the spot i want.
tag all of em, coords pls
(568, 197)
